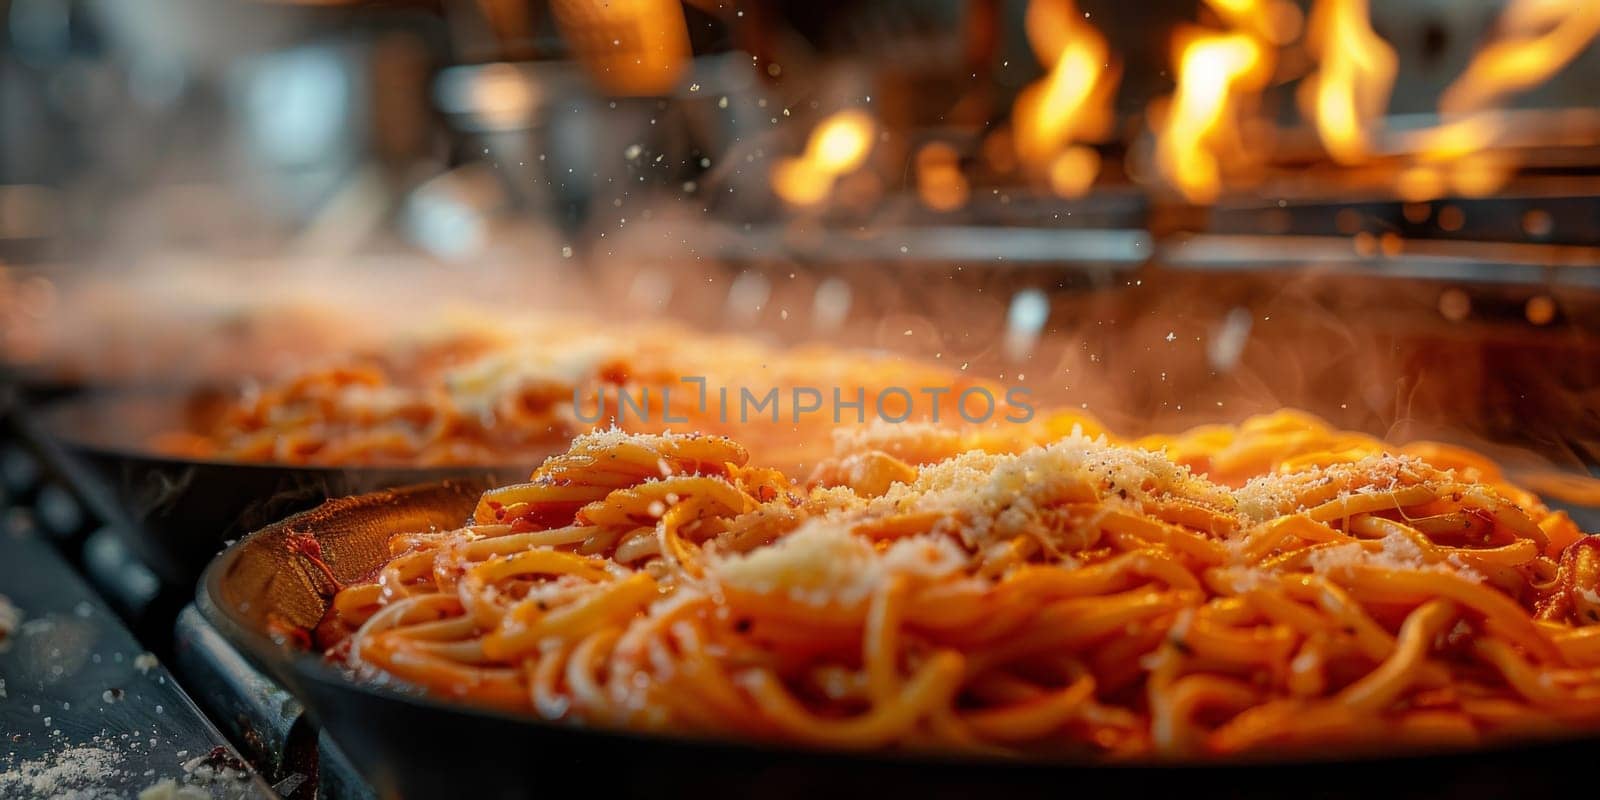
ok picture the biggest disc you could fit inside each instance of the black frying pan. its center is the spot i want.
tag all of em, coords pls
(177, 511)
(35, 384)
(414, 746)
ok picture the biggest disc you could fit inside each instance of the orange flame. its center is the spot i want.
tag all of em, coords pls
(1355, 73)
(628, 47)
(940, 183)
(841, 142)
(1274, 21)
(1456, 157)
(1537, 38)
(838, 146)
(1456, 139)
(1072, 103)
(1212, 69)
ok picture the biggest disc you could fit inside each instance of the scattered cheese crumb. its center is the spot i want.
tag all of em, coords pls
(78, 772)
(169, 789)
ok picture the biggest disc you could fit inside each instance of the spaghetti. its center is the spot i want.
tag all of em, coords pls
(1071, 598)
(493, 398)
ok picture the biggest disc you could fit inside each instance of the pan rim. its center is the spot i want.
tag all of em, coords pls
(51, 419)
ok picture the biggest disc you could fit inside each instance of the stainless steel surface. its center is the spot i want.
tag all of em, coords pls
(268, 723)
(74, 679)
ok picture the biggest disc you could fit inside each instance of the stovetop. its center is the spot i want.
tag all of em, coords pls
(113, 687)
(87, 709)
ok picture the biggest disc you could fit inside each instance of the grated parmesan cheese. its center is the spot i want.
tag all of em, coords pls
(479, 385)
(169, 789)
(819, 561)
(823, 561)
(996, 496)
(602, 439)
(914, 442)
(1397, 553)
(83, 772)
(1267, 497)
(925, 556)
(980, 502)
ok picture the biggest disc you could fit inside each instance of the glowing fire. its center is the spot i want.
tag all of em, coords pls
(1536, 39)
(940, 183)
(1355, 72)
(838, 146)
(1346, 97)
(628, 47)
(1456, 157)
(1456, 139)
(841, 142)
(1212, 69)
(1204, 134)
(1071, 104)
(1274, 21)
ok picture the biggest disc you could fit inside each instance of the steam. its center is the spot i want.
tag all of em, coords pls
(1144, 349)
(176, 322)
(1161, 349)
